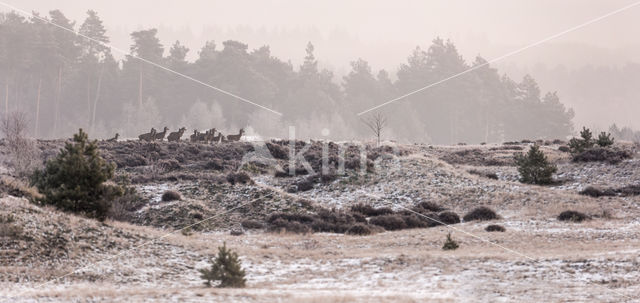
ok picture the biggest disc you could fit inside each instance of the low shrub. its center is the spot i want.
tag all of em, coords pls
(169, 165)
(481, 213)
(371, 211)
(281, 225)
(572, 216)
(596, 192)
(251, 224)
(278, 151)
(215, 164)
(495, 228)
(564, 149)
(389, 222)
(171, 195)
(449, 218)
(429, 206)
(601, 154)
(238, 177)
(359, 229)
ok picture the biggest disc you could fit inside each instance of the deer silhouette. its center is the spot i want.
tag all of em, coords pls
(235, 137)
(218, 138)
(148, 136)
(210, 135)
(175, 136)
(114, 139)
(160, 136)
(194, 137)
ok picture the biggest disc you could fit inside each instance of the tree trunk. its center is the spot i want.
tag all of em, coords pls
(6, 98)
(38, 108)
(95, 100)
(140, 90)
(57, 105)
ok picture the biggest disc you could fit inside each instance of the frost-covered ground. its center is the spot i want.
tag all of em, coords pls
(538, 258)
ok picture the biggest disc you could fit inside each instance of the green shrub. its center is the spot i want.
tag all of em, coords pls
(225, 268)
(578, 145)
(605, 139)
(450, 244)
(75, 180)
(534, 167)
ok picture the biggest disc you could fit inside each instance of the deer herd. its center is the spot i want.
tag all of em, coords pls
(208, 136)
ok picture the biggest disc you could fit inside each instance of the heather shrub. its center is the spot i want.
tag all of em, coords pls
(171, 195)
(251, 224)
(481, 213)
(238, 177)
(370, 211)
(359, 229)
(534, 168)
(495, 228)
(389, 222)
(226, 269)
(429, 206)
(601, 154)
(449, 218)
(572, 216)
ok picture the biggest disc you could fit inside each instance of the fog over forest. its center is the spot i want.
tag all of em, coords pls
(320, 73)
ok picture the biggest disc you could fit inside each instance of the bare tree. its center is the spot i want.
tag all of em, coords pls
(376, 123)
(23, 154)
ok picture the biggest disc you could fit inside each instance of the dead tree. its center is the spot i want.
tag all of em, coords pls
(376, 124)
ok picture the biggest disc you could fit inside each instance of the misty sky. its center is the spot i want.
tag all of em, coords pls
(384, 32)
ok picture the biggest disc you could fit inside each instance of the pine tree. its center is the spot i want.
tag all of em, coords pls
(226, 268)
(534, 167)
(74, 180)
(578, 145)
(450, 244)
(605, 139)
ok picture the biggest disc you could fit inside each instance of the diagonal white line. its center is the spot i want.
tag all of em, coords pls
(139, 58)
(498, 245)
(517, 51)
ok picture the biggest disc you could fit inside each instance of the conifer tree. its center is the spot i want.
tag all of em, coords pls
(534, 167)
(225, 268)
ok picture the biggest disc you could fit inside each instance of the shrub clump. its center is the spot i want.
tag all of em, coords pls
(359, 229)
(238, 177)
(429, 206)
(450, 244)
(251, 224)
(481, 213)
(596, 192)
(171, 195)
(495, 228)
(225, 268)
(75, 179)
(572, 216)
(389, 222)
(370, 211)
(449, 218)
(601, 154)
(534, 167)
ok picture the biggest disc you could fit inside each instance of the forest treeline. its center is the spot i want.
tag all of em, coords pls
(65, 82)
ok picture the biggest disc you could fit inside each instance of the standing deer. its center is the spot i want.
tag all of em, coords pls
(175, 136)
(194, 137)
(210, 135)
(114, 139)
(235, 137)
(148, 136)
(218, 138)
(160, 136)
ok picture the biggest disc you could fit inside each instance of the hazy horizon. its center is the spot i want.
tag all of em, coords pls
(385, 33)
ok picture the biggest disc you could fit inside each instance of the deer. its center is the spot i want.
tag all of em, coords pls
(148, 136)
(218, 138)
(235, 137)
(209, 135)
(175, 136)
(114, 139)
(194, 137)
(160, 136)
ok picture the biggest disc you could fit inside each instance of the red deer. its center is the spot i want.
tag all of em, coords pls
(235, 137)
(160, 136)
(148, 136)
(210, 135)
(175, 136)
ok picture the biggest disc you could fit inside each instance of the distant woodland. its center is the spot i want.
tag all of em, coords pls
(64, 82)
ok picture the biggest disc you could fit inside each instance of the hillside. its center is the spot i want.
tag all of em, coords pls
(146, 257)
